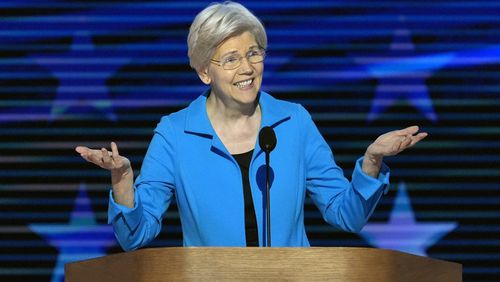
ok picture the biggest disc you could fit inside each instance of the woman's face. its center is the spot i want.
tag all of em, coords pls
(237, 86)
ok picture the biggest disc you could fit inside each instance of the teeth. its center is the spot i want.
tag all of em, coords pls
(243, 83)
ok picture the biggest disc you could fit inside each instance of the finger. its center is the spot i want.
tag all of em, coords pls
(81, 149)
(412, 140)
(409, 130)
(87, 153)
(417, 138)
(105, 157)
(114, 150)
(115, 155)
(95, 157)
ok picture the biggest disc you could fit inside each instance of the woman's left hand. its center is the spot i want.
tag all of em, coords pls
(394, 142)
(390, 144)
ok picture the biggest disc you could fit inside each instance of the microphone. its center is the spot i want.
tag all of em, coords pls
(267, 139)
(267, 142)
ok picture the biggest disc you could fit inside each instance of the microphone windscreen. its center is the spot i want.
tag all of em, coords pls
(267, 139)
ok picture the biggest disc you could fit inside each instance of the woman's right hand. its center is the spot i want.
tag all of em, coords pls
(122, 175)
(105, 159)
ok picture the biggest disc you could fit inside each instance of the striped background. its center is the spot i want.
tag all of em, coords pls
(90, 72)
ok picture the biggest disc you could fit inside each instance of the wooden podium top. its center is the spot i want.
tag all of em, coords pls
(292, 264)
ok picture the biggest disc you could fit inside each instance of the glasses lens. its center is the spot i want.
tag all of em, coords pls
(231, 63)
(234, 62)
(256, 59)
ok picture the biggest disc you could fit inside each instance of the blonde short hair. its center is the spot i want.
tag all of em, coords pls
(215, 24)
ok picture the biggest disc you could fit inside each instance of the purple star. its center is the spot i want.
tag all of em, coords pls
(401, 75)
(82, 238)
(82, 75)
(402, 232)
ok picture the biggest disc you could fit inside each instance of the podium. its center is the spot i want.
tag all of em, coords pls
(291, 264)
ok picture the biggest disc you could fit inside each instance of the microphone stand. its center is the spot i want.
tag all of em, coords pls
(268, 202)
(267, 142)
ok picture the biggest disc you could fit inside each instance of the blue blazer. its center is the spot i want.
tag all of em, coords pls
(188, 160)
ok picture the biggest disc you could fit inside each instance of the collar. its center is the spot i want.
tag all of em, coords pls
(197, 121)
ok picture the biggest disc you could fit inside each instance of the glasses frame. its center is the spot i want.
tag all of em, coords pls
(219, 62)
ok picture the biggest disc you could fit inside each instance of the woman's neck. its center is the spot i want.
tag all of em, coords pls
(230, 112)
(236, 127)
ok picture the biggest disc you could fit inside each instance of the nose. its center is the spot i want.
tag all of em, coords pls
(245, 66)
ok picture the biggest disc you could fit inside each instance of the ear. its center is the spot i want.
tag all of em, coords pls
(203, 75)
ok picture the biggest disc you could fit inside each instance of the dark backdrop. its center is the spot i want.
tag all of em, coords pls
(90, 72)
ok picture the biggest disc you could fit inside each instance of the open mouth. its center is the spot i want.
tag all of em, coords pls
(244, 84)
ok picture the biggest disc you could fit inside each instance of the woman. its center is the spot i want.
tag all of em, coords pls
(206, 154)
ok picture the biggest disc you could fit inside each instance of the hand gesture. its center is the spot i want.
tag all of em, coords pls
(105, 159)
(394, 142)
(389, 144)
(122, 175)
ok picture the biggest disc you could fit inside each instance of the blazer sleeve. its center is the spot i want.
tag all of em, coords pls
(153, 189)
(344, 204)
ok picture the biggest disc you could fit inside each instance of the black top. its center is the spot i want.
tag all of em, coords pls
(250, 219)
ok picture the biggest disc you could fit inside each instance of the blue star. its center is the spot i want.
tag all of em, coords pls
(402, 232)
(82, 238)
(401, 74)
(82, 75)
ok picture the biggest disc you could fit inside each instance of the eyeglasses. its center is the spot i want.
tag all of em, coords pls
(233, 61)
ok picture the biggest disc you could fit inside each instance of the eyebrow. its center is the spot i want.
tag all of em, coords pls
(235, 51)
